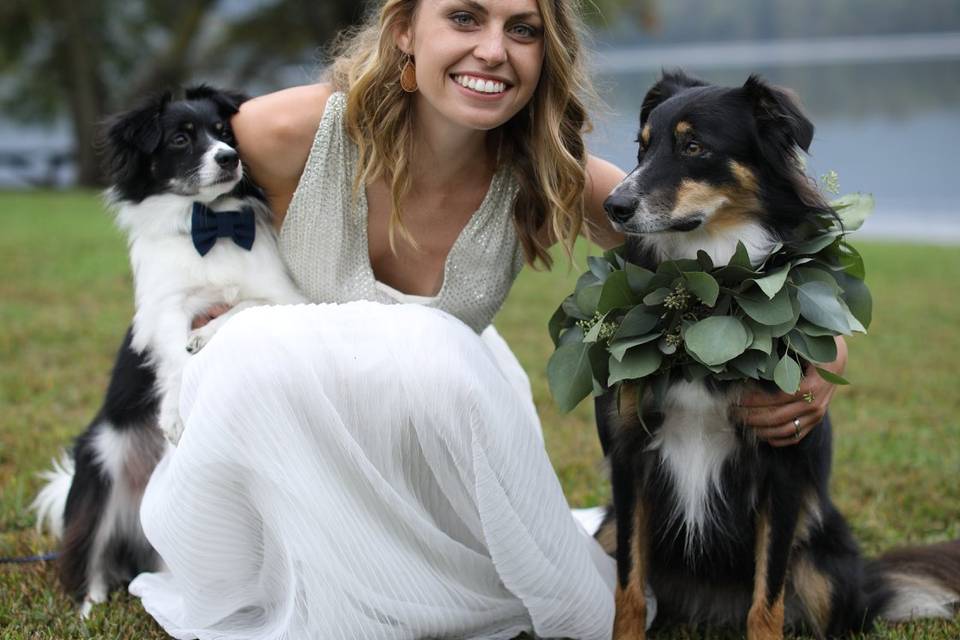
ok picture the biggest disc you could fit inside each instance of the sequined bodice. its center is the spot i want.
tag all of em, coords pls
(324, 235)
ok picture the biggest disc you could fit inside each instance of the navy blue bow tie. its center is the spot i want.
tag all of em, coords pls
(207, 226)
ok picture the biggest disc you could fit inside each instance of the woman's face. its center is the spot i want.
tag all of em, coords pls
(478, 61)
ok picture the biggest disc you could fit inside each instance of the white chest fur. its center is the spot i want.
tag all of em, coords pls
(694, 443)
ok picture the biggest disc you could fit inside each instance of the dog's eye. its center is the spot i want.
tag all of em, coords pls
(180, 140)
(693, 148)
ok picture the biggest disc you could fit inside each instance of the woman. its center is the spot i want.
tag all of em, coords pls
(363, 470)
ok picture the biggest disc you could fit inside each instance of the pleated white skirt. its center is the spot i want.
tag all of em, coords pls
(365, 471)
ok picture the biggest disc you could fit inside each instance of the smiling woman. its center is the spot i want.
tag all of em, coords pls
(362, 470)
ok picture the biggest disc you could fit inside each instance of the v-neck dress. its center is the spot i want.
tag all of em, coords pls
(324, 235)
(365, 469)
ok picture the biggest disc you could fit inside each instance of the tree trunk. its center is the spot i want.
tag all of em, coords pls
(80, 76)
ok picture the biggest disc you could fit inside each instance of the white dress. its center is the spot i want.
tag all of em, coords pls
(363, 471)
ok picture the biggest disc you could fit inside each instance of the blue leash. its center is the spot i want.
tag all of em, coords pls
(45, 557)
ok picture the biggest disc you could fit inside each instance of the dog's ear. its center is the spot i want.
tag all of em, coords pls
(139, 129)
(228, 102)
(129, 139)
(669, 84)
(778, 114)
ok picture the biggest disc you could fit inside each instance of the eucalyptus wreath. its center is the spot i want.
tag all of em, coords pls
(692, 319)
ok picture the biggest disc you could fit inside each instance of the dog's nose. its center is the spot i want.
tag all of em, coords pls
(227, 159)
(620, 207)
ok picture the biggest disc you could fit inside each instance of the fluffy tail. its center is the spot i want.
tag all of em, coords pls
(921, 582)
(50, 503)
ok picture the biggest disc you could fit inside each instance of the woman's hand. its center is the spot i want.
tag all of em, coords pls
(215, 311)
(782, 419)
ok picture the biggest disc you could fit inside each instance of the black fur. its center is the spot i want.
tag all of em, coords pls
(153, 149)
(129, 408)
(761, 128)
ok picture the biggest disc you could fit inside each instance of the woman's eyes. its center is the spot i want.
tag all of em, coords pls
(463, 19)
(524, 31)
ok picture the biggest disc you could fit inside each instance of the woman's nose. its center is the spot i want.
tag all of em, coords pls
(491, 49)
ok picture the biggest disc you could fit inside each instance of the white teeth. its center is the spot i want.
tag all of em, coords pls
(480, 85)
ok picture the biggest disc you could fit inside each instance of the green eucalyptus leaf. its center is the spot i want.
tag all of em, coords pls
(703, 286)
(597, 354)
(638, 362)
(741, 257)
(569, 375)
(819, 304)
(716, 339)
(774, 282)
(637, 277)
(853, 209)
(818, 349)
(768, 311)
(812, 273)
(588, 298)
(706, 262)
(810, 329)
(572, 309)
(787, 374)
(639, 321)
(619, 347)
(733, 275)
(666, 348)
(571, 335)
(830, 376)
(851, 261)
(616, 293)
(762, 337)
(599, 267)
(656, 298)
(558, 321)
(858, 299)
(749, 363)
(817, 244)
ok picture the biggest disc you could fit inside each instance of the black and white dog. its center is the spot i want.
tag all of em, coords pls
(200, 235)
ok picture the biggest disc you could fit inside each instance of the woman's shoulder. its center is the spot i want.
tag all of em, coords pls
(275, 133)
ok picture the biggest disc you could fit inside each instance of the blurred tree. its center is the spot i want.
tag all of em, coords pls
(86, 59)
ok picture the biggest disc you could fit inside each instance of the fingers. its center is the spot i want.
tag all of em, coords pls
(791, 433)
(208, 315)
(775, 416)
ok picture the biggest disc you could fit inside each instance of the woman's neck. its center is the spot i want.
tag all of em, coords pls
(446, 155)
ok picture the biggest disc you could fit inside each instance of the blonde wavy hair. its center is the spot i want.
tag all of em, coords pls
(543, 142)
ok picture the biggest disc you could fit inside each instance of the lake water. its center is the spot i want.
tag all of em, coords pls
(886, 110)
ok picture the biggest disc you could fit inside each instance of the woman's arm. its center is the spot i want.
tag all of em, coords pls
(602, 177)
(782, 419)
(274, 135)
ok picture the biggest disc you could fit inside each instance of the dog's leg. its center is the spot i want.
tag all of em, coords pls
(631, 614)
(200, 337)
(776, 525)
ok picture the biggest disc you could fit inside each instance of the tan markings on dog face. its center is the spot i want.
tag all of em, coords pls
(744, 176)
(742, 200)
(645, 135)
(765, 620)
(693, 197)
(631, 602)
(815, 592)
(683, 127)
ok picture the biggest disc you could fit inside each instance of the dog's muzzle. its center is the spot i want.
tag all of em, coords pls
(620, 207)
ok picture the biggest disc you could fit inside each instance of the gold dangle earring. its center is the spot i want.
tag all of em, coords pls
(408, 76)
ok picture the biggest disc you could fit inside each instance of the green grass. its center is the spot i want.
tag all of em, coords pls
(65, 302)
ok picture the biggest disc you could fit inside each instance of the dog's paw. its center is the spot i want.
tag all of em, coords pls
(195, 343)
(172, 430)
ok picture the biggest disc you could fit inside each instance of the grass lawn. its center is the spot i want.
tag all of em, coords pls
(65, 302)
